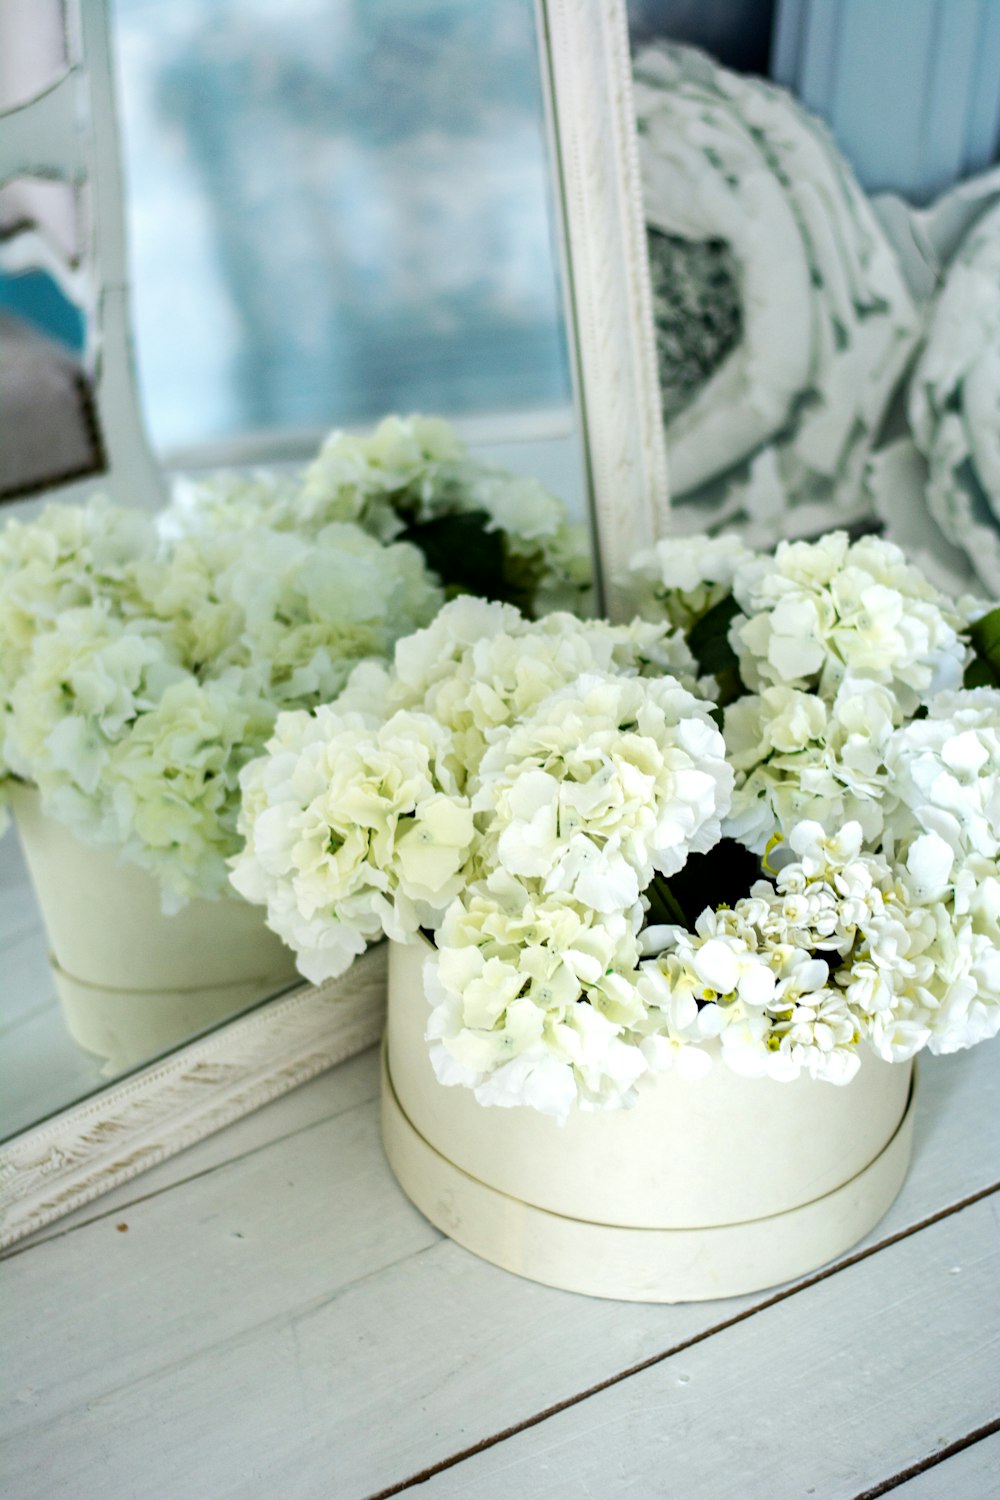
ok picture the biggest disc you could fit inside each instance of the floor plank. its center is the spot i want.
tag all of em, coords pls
(342, 1088)
(291, 1322)
(973, 1474)
(812, 1396)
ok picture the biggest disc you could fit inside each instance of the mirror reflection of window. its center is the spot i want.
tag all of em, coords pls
(336, 211)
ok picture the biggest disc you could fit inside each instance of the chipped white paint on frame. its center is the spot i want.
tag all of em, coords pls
(117, 1133)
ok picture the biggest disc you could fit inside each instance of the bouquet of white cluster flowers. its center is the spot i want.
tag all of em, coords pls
(861, 714)
(138, 675)
(144, 662)
(481, 528)
(763, 827)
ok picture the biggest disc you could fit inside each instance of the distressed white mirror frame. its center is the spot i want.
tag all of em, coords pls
(63, 1162)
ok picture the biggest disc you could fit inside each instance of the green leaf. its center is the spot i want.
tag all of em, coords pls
(664, 908)
(979, 673)
(984, 637)
(469, 559)
(464, 555)
(721, 877)
(709, 638)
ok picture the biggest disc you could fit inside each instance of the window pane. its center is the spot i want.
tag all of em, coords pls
(337, 210)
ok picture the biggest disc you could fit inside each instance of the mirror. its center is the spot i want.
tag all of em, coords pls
(823, 227)
(334, 211)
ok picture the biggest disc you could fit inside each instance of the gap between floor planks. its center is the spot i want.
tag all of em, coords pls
(944, 1133)
(986, 1460)
(743, 1316)
(842, 1383)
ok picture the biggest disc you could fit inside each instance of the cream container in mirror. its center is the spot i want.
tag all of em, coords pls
(595, 438)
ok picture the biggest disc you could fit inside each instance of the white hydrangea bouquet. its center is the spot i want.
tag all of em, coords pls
(760, 825)
(483, 529)
(143, 663)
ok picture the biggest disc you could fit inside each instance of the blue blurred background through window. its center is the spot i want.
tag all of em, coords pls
(336, 210)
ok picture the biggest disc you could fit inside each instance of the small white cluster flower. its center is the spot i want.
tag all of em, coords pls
(763, 976)
(837, 952)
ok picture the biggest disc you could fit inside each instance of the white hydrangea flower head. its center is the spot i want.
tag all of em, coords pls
(83, 684)
(173, 784)
(819, 612)
(479, 667)
(119, 636)
(534, 998)
(229, 501)
(413, 470)
(796, 757)
(352, 830)
(930, 981)
(945, 780)
(428, 655)
(683, 577)
(608, 780)
(354, 477)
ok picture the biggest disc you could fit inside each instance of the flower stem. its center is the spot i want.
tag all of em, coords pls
(663, 904)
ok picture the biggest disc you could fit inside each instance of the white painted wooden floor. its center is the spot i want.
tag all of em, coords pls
(266, 1316)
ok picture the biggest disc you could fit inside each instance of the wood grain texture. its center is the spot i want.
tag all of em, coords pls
(807, 1398)
(322, 1098)
(196, 1090)
(972, 1474)
(286, 1322)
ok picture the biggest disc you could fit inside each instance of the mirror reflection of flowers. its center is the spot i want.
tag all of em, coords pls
(483, 529)
(764, 825)
(783, 319)
(143, 663)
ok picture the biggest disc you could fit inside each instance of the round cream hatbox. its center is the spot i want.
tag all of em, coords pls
(707, 1188)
